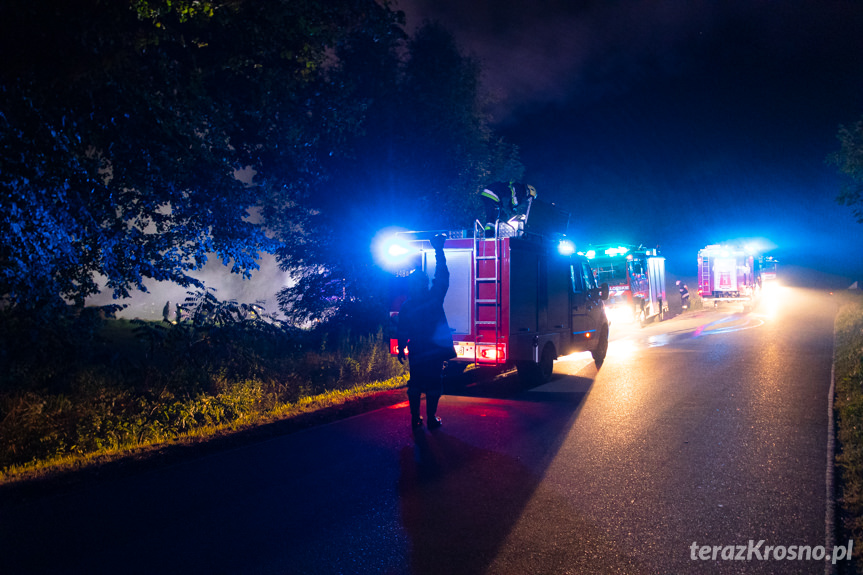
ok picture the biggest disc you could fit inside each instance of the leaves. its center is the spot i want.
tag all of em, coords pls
(849, 161)
(423, 150)
(123, 125)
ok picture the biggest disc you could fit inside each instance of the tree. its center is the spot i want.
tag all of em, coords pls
(849, 161)
(423, 150)
(123, 125)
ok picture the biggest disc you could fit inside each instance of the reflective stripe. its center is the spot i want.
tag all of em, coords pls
(491, 195)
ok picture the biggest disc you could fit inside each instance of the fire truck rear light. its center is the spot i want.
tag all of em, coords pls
(394, 347)
(490, 353)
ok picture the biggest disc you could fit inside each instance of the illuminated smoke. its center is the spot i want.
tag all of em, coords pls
(263, 286)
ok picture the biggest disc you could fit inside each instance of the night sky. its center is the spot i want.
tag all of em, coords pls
(677, 123)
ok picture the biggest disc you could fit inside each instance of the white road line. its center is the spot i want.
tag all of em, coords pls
(830, 516)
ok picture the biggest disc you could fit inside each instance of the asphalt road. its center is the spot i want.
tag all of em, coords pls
(709, 428)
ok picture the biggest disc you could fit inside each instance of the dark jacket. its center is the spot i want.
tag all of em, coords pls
(422, 326)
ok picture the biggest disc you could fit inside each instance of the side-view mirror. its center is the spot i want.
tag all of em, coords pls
(603, 291)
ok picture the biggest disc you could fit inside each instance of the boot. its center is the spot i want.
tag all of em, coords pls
(414, 402)
(431, 410)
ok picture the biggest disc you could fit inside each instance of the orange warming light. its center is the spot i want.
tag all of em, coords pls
(587, 335)
(496, 354)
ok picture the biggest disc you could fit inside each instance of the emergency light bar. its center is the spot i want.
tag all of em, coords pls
(619, 251)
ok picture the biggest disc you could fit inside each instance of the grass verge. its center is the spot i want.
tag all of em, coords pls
(53, 473)
(848, 410)
(79, 390)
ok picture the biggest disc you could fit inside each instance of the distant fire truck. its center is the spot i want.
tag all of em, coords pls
(728, 273)
(636, 280)
(521, 298)
(769, 268)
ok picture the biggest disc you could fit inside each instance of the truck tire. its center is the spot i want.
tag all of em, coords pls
(601, 348)
(537, 373)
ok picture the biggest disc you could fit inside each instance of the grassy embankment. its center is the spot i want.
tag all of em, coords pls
(86, 390)
(848, 410)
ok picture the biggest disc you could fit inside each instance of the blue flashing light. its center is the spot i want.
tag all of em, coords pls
(566, 247)
(618, 251)
(392, 251)
(396, 250)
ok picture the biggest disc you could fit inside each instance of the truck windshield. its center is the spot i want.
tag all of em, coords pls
(610, 270)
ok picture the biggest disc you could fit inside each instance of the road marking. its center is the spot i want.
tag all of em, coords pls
(830, 518)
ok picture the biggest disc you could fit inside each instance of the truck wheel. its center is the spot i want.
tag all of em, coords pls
(601, 348)
(537, 373)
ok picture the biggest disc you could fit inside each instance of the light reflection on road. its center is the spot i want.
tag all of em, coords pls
(628, 339)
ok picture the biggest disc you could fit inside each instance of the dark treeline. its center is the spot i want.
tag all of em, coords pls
(123, 126)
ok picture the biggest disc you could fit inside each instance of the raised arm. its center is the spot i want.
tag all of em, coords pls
(440, 284)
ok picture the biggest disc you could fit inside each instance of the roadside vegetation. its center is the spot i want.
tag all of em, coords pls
(848, 409)
(81, 387)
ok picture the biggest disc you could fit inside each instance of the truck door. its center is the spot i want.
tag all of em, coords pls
(559, 315)
(586, 305)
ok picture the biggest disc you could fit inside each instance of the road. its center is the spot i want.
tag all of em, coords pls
(708, 428)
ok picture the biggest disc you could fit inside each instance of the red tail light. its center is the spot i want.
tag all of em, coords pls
(496, 354)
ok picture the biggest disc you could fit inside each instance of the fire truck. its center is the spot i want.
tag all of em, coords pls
(521, 298)
(769, 268)
(728, 273)
(636, 279)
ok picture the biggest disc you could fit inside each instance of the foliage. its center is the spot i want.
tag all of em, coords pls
(124, 124)
(424, 150)
(127, 384)
(849, 161)
(140, 137)
(848, 362)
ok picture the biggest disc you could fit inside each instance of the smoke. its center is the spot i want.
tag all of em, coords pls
(262, 287)
(552, 50)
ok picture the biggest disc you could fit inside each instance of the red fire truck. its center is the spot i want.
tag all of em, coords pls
(636, 279)
(522, 297)
(728, 273)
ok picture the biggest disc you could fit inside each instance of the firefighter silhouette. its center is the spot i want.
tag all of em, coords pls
(504, 200)
(423, 329)
(684, 295)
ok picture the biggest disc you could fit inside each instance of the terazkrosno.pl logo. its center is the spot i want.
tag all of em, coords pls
(758, 551)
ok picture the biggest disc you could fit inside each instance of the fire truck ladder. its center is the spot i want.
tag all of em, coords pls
(704, 280)
(486, 250)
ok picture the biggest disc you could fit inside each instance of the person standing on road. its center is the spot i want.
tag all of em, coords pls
(423, 329)
(684, 295)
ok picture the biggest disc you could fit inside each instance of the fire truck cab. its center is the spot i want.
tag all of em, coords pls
(636, 279)
(522, 298)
